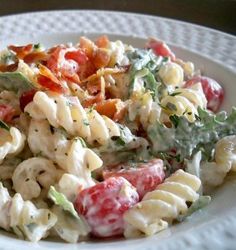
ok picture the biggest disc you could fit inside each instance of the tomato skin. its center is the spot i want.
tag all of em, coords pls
(144, 178)
(104, 204)
(26, 98)
(160, 48)
(6, 113)
(212, 89)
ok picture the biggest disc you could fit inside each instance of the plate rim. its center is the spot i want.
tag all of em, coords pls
(182, 241)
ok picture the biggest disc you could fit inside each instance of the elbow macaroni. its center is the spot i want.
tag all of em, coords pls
(162, 205)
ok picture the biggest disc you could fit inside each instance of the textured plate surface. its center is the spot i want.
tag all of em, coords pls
(213, 52)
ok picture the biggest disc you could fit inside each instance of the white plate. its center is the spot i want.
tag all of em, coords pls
(213, 52)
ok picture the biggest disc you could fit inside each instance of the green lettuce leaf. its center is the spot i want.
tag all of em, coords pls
(145, 64)
(60, 200)
(4, 125)
(198, 204)
(14, 81)
(189, 138)
(70, 226)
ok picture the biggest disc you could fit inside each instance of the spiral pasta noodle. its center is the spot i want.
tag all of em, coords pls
(70, 154)
(142, 107)
(68, 113)
(161, 206)
(172, 74)
(11, 142)
(213, 173)
(185, 101)
(32, 175)
(23, 217)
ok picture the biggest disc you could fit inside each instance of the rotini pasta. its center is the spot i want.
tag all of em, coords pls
(71, 155)
(213, 173)
(11, 142)
(141, 107)
(69, 185)
(185, 101)
(32, 175)
(23, 217)
(91, 132)
(162, 205)
(172, 74)
(69, 114)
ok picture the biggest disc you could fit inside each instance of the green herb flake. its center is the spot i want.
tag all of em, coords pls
(201, 202)
(37, 46)
(175, 93)
(120, 142)
(171, 106)
(175, 120)
(4, 125)
(86, 122)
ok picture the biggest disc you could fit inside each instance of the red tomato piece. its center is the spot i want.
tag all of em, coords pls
(104, 204)
(6, 112)
(26, 97)
(160, 48)
(145, 177)
(212, 89)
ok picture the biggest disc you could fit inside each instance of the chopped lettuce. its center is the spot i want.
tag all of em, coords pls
(201, 202)
(67, 227)
(14, 81)
(4, 125)
(70, 226)
(126, 141)
(60, 200)
(144, 65)
(188, 138)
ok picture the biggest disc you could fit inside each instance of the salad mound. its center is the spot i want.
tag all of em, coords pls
(101, 139)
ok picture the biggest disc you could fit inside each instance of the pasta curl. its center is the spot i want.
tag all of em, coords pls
(213, 173)
(141, 107)
(11, 142)
(71, 155)
(68, 113)
(161, 206)
(33, 175)
(185, 101)
(172, 74)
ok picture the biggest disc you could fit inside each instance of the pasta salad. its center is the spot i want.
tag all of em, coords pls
(101, 139)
